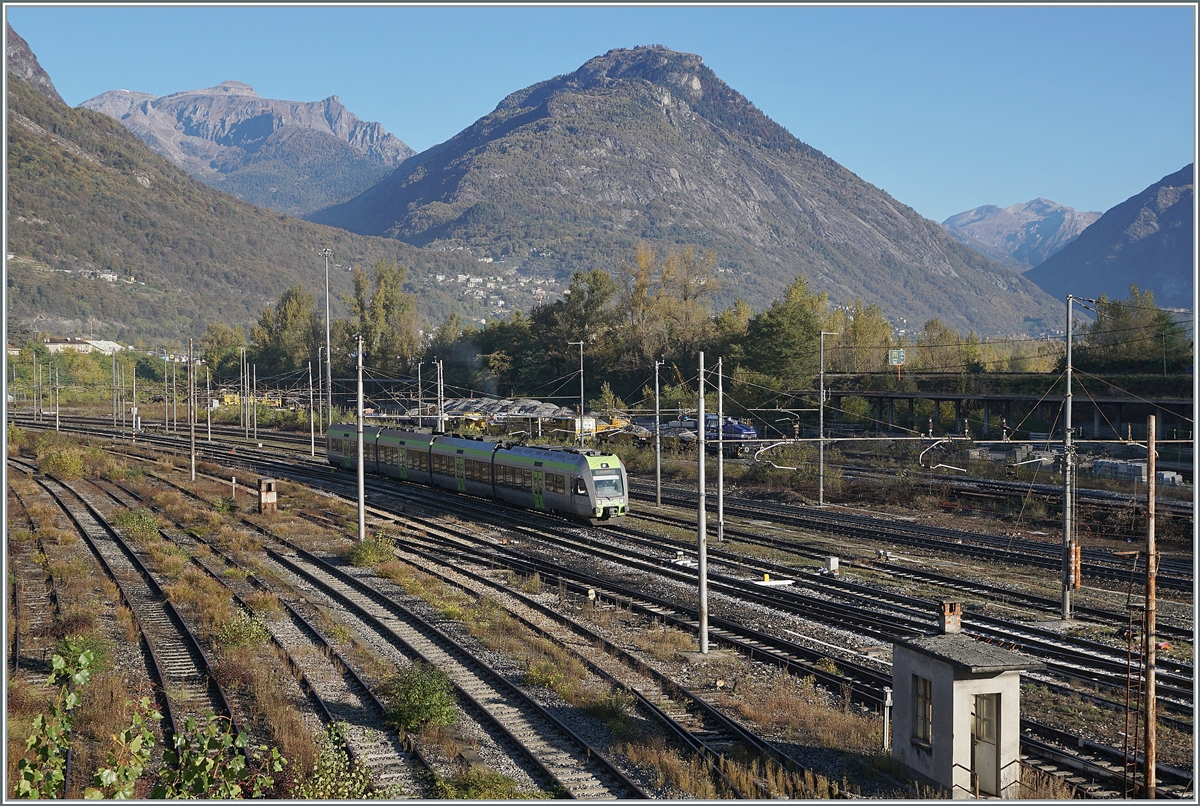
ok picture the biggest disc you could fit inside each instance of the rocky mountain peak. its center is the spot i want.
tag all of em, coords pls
(20, 61)
(1019, 236)
(291, 156)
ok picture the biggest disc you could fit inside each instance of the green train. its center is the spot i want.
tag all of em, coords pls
(585, 483)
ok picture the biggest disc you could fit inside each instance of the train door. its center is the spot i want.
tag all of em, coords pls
(539, 499)
(460, 474)
(985, 747)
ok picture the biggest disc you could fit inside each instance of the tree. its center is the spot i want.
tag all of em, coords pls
(386, 317)
(863, 340)
(1133, 335)
(939, 348)
(220, 347)
(783, 341)
(688, 280)
(286, 336)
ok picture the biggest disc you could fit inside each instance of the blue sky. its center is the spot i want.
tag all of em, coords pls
(945, 108)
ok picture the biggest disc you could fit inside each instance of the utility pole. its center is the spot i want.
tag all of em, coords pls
(1068, 564)
(572, 344)
(57, 397)
(657, 440)
(208, 400)
(441, 397)
(191, 407)
(821, 428)
(362, 494)
(1151, 581)
(254, 402)
(420, 397)
(328, 253)
(701, 523)
(114, 385)
(312, 426)
(166, 405)
(175, 396)
(134, 406)
(720, 451)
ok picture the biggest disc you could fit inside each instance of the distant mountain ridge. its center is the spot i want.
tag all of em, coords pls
(1147, 239)
(1019, 236)
(650, 145)
(289, 156)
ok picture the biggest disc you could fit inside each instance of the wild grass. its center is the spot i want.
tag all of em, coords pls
(664, 643)
(199, 594)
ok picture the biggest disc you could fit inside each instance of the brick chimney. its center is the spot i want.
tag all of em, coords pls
(950, 620)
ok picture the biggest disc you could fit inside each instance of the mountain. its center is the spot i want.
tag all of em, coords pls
(1146, 239)
(1021, 236)
(650, 145)
(20, 61)
(289, 156)
(108, 238)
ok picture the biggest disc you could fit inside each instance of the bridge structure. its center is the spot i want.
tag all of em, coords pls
(1111, 416)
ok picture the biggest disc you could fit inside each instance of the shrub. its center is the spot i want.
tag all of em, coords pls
(336, 776)
(65, 464)
(137, 524)
(225, 506)
(368, 553)
(418, 696)
(243, 629)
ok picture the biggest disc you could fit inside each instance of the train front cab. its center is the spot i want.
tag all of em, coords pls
(608, 488)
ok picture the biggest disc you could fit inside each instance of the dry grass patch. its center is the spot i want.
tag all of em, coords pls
(237, 541)
(168, 558)
(664, 643)
(204, 597)
(802, 713)
(264, 602)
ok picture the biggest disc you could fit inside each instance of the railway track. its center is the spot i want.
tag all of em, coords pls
(457, 500)
(337, 691)
(1174, 574)
(183, 672)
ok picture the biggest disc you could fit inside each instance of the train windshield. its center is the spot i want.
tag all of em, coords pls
(608, 486)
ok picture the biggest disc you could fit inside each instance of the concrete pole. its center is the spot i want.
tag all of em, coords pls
(208, 401)
(175, 396)
(657, 441)
(166, 405)
(821, 428)
(134, 405)
(327, 253)
(312, 426)
(1151, 580)
(1068, 538)
(720, 452)
(191, 407)
(114, 385)
(362, 495)
(57, 397)
(420, 397)
(254, 402)
(701, 523)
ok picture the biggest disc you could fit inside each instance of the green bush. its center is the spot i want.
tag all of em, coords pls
(16, 435)
(137, 524)
(243, 630)
(224, 506)
(66, 464)
(418, 696)
(369, 552)
(336, 776)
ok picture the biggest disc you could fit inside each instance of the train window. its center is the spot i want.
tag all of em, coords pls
(527, 480)
(507, 476)
(580, 487)
(608, 486)
(560, 483)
